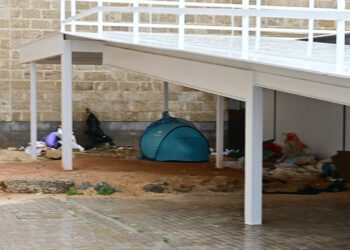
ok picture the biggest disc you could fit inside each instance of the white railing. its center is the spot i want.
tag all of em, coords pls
(100, 9)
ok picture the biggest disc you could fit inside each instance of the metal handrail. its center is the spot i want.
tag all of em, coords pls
(182, 8)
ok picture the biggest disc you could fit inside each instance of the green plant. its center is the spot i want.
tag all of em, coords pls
(106, 191)
(165, 240)
(73, 191)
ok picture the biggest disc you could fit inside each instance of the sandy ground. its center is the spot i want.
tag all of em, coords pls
(132, 175)
(10, 156)
(128, 175)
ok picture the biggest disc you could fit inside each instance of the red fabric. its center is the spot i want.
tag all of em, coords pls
(293, 139)
(274, 148)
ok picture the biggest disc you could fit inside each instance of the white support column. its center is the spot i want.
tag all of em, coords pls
(165, 96)
(253, 156)
(220, 108)
(33, 113)
(67, 106)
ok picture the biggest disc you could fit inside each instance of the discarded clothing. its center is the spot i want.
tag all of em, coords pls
(52, 139)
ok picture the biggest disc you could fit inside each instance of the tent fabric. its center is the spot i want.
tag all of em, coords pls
(173, 139)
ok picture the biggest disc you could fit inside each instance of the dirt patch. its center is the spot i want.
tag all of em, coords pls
(130, 176)
(7, 156)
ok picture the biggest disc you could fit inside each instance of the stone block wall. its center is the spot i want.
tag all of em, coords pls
(114, 95)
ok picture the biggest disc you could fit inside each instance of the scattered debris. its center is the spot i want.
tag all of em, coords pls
(156, 188)
(292, 169)
(302, 187)
(53, 154)
(106, 150)
(239, 164)
(85, 185)
(227, 186)
(183, 188)
(40, 148)
(103, 188)
(32, 186)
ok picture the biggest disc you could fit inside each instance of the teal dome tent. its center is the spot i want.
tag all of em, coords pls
(173, 139)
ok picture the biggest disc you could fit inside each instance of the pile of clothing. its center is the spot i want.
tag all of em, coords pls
(290, 160)
(51, 145)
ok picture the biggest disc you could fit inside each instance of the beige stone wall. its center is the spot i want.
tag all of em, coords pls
(115, 95)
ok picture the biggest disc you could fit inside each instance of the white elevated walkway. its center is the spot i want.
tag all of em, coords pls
(235, 67)
(277, 64)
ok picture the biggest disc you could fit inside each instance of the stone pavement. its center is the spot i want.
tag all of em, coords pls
(173, 222)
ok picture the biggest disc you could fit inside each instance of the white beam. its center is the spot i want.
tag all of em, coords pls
(253, 156)
(46, 47)
(33, 113)
(67, 109)
(209, 77)
(308, 88)
(220, 108)
(165, 96)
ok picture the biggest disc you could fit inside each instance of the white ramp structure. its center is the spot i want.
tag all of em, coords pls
(239, 62)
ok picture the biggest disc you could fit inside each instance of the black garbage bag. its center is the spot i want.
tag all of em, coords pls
(95, 133)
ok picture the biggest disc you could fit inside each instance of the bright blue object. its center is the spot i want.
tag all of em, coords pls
(173, 139)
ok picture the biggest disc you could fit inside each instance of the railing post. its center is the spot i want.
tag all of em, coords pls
(245, 30)
(136, 20)
(150, 20)
(73, 13)
(310, 30)
(258, 26)
(63, 15)
(340, 34)
(100, 17)
(181, 24)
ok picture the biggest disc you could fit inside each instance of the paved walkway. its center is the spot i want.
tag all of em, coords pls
(173, 222)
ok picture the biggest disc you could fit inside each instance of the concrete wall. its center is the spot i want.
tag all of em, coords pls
(16, 134)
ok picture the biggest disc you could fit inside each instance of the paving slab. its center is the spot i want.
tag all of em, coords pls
(172, 222)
